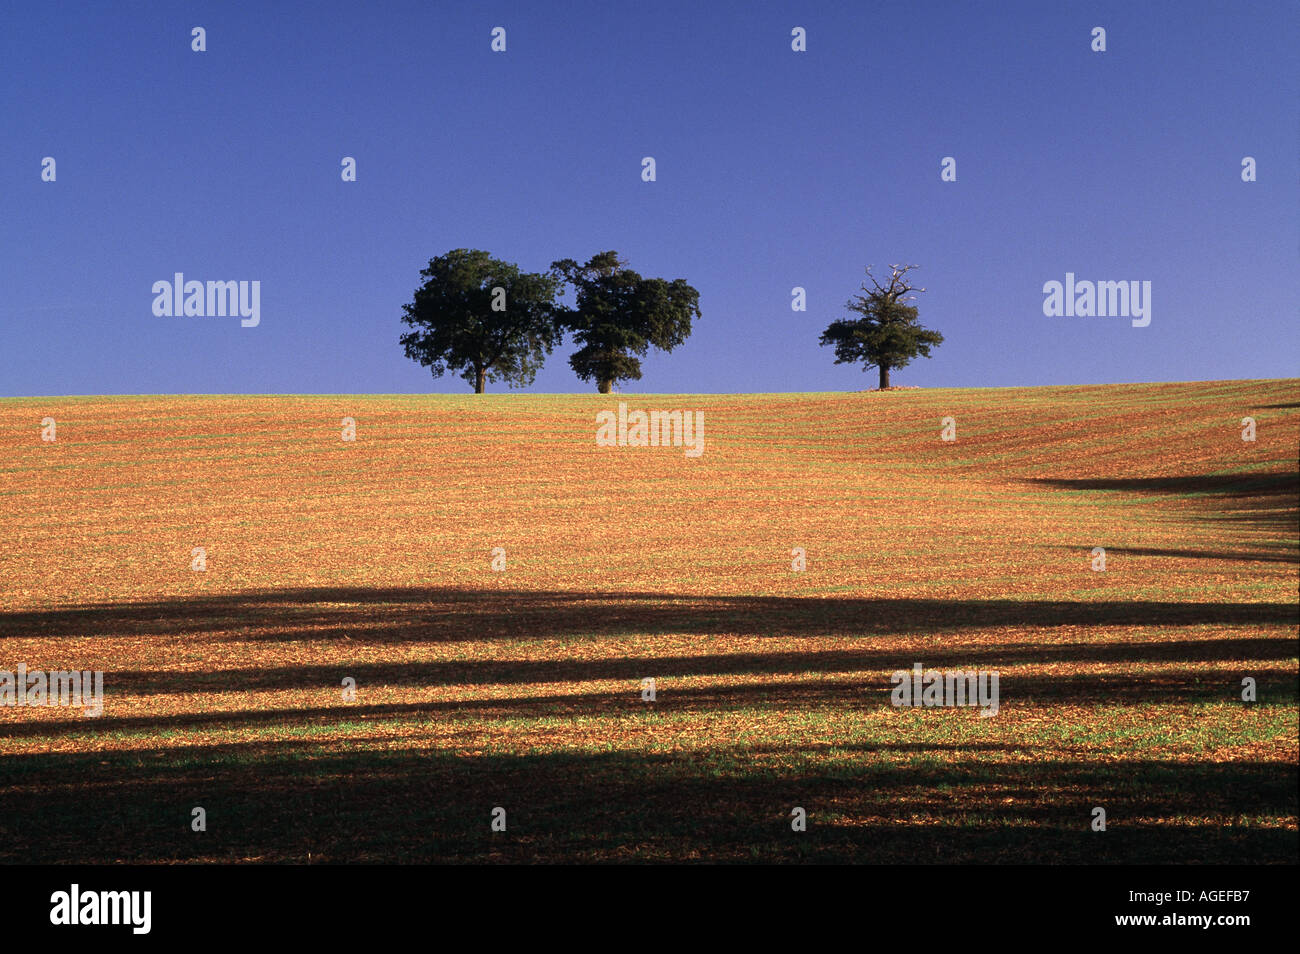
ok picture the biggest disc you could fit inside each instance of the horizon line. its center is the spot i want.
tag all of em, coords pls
(525, 394)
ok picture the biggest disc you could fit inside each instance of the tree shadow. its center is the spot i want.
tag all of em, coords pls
(299, 802)
(1269, 501)
(1278, 554)
(1232, 486)
(866, 692)
(444, 614)
(337, 801)
(479, 672)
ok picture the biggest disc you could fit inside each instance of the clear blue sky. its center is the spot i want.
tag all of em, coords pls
(775, 169)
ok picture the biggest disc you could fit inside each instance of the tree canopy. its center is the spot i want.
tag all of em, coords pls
(888, 334)
(619, 315)
(482, 318)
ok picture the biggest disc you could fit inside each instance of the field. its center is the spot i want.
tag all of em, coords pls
(521, 688)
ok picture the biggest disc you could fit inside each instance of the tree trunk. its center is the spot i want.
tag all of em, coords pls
(884, 376)
(481, 382)
(606, 386)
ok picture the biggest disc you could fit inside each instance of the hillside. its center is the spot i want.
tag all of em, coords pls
(372, 559)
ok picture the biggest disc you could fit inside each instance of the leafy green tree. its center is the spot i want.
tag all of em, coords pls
(619, 316)
(482, 318)
(887, 336)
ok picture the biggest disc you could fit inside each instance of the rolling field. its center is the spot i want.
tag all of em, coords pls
(372, 560)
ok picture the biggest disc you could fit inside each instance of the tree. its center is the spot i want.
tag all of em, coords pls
(887, 335)
(619, 315)
(483, 318)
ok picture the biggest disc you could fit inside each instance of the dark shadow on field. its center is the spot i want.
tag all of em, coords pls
(1277, 484)
(1275, 555)
(300, 802)
(870, 663)
(442, 614)
(1269, 502)
(870, 692)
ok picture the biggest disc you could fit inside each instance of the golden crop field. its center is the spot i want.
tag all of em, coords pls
(520, 687)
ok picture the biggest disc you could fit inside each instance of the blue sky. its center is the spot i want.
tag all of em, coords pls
(775, 169)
